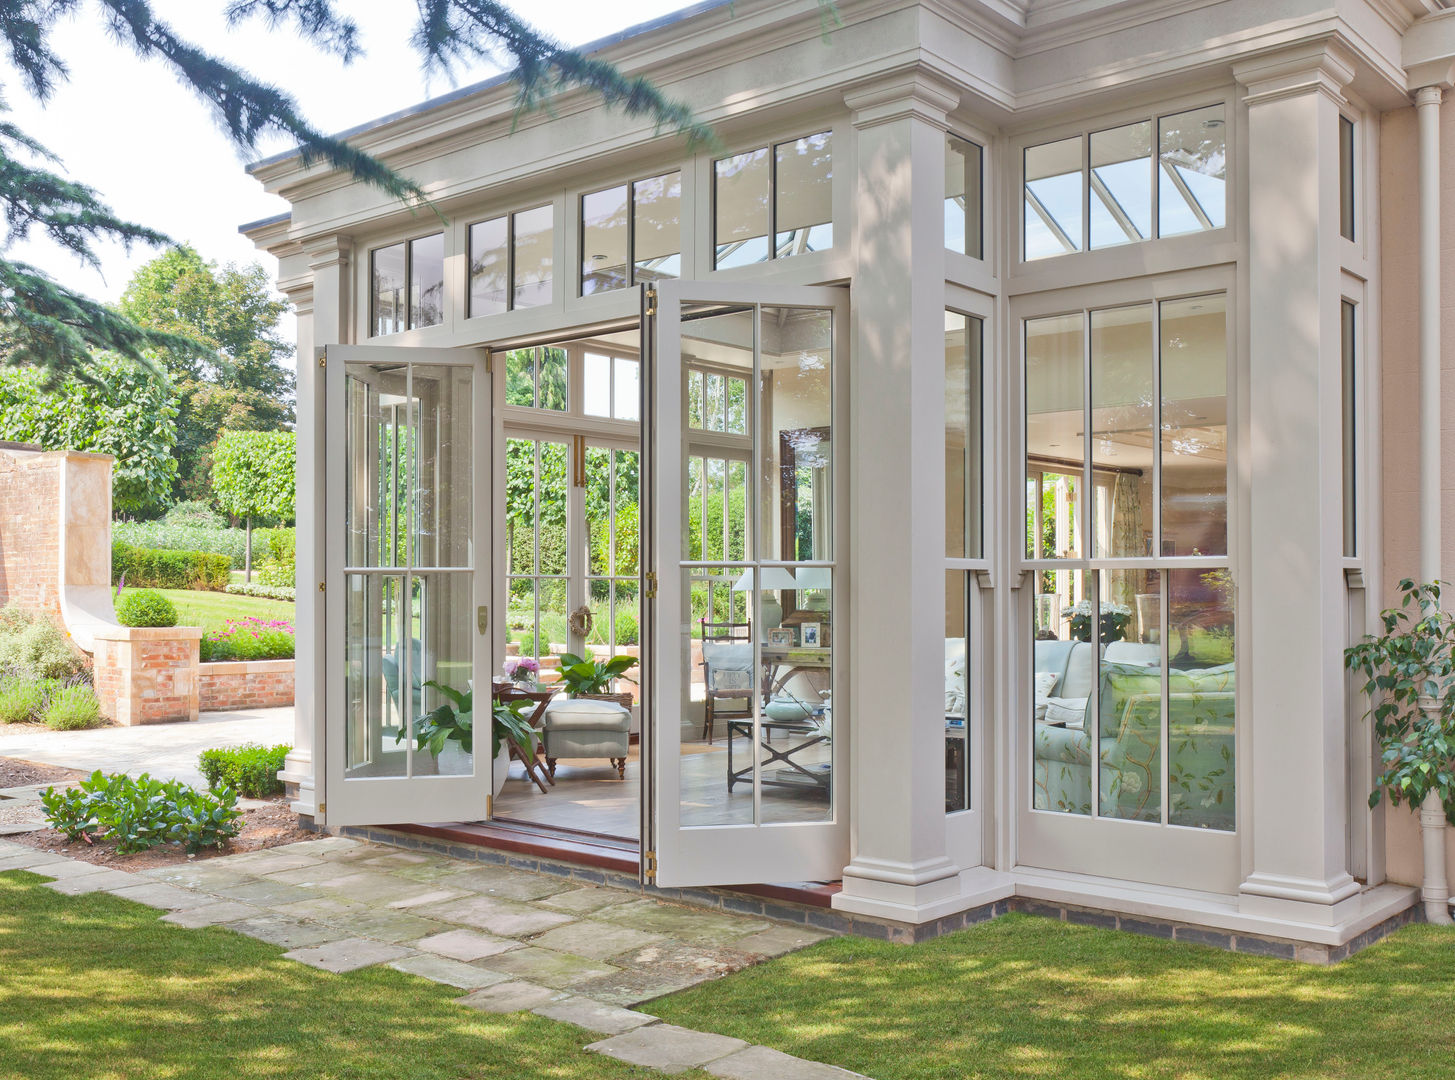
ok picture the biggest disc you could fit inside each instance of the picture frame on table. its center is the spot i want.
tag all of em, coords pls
(781, 636)
(810, 632)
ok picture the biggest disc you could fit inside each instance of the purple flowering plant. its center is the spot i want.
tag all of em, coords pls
(522, 669)
(249, 639)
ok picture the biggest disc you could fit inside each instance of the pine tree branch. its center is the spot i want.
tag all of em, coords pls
(316, 20)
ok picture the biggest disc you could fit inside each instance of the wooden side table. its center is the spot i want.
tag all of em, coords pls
(507, 691)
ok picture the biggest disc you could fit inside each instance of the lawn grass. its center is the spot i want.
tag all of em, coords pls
(1024, 997)
(211, 610)
(98, 988)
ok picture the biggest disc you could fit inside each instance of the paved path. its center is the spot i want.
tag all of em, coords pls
(167, 751)
(512, 940)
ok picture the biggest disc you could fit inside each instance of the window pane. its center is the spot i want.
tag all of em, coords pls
(657, 227)
(720, 692)
(803, 194)
(1193, 150)
(1121, 185)
(796, 483)
(963, 209)
(427, 280)
(520, 377)
(553, 379)
(533, 252)
(741, 199)
(1202, 699)
(1194, 426)
(443, 466)
(1123, 431)
(598, 511)
(1053, 199)
(724, 339)
(1351, 432)
(1062, 683)
(957, 691)
(1054, 446)
(551, 483)
(794, 743)
(963, 440)
(737, 408)
(626, 503)
(603, 240)
(626, 401)
(1129, 710)
(387, 274)
(695, 401)
(488, 260)
(597, 388)
(1346, 178)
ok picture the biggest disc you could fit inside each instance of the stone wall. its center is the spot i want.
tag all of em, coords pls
(148, 674)
(30, 549)
(246, 684)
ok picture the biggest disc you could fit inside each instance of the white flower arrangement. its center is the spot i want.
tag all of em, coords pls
(1084, 608)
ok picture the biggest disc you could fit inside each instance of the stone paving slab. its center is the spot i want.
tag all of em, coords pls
(288, 933)
(777, 940)
(390, 926)
(685, 924)
(433, 896)
(158, 894)
(26, 858)
(263, 892)
(89, 883)
(16, 828)
(596, 940)
(509, 997)
(214, 914)
(667, 1047)
(504, 918)
(560, 971)
(594, 1016)
(348, 954)
(466, 945)
(72, 868)
(761, 1063)
(506, 884)
(591, 898)
(442, 969)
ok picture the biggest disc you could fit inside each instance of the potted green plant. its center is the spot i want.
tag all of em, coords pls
(1409, 678)
(447, 731)
(592, 679)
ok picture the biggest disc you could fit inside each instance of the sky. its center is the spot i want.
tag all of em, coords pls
(153, 151)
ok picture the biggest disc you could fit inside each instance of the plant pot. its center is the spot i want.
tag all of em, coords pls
(624, 700)
(501, 770)
(453, 760)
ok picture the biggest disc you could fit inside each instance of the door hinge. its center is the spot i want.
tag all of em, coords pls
(322, 354)
(651, 301)
(649, 580)
(649, 864)
(322, 587)
(323, 808)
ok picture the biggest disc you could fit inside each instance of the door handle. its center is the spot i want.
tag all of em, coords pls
(482, 617)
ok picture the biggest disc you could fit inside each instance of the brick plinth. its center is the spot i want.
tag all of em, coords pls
(148, 675)
(246, 684)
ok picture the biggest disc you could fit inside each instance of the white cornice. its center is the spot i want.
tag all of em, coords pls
(1323, 67)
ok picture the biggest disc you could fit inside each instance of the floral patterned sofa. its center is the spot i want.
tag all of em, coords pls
(1200, 737)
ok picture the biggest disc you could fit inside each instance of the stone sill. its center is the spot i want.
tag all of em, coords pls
(148, 633)
(246, 667)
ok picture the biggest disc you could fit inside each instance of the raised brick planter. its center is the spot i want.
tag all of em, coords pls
(148, 674)
(246, 684)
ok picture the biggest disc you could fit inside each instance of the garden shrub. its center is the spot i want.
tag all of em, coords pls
(141, 813)
(155, 568)
(168, 535)
(33, 648)
(267, 592)
(248, 639)
(251, 769)
(196, 514)
(21, 700)
(72, 708)
(278, 548)
(145, 607)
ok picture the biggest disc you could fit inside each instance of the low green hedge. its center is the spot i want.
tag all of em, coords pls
(173, 535)
(154, 568)
(267, 592)
(251, 769)
(145, 607)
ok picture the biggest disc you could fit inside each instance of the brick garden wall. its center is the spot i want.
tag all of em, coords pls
(251, 684)
(30, 492)
(148, 675)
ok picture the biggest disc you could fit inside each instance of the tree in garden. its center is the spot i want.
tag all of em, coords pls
(253, 476)
(48, 325)
(127, 411)
(244, 386)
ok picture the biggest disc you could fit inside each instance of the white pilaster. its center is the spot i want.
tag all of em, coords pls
(1295, 800)
(899, 868)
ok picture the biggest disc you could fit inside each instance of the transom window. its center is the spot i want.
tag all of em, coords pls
(407, 285)
(511, 261)
(631, 233)
(964, 210)
(785, 194)
(1123, 185)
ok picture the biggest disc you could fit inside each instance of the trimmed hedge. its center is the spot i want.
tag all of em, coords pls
(170, 535)
(153, 568)
(267, 592)
(251, 769)
(145, 607)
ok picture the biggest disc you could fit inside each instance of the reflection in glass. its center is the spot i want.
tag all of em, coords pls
(803, 195)
(441, 635)
(795, 737)
(520, 377)
(1055, 448)
(963, 437)
(604, 240)
(376, 502)
(626, 401)
(532, 256)
(722, 341)
(427, 280)
(957, 690)
(536, 557)
(1192, 184)
(657, 228)
(1123, 431)
(1346, 178)
(1350, 409)
(551, 379)
(1130, 691)
(740, 200)
(596, 377)
(373, 664)
(796, 483)
(1121, 185)
(1202, 699)
(443, 469)
(1054, 192)
(1194, 426)
(386, 273)
(489, 267)
(1063, 683)
(963, 208)
(720, 687)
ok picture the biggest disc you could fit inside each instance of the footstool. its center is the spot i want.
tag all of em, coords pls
(586, 729)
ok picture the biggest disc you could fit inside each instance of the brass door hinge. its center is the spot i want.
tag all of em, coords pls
(649, 864)
(323, 808)
(322, 587)
(651, 301)
(649, 580)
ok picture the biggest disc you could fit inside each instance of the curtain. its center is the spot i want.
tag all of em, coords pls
(1127, 541)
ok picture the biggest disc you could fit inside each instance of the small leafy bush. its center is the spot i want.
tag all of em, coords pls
(185, 535)
(21, 700)
(156, 568)
(72, 708)
(279, 557)
(145, 607)
(33, 648)
(248, 639)
(267, 592)
(141, 813)
(251, 769)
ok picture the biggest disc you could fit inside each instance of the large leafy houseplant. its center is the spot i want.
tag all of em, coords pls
(454, 721)
(583, 677)
(1409, 678)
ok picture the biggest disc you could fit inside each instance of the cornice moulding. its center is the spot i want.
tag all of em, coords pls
(1325, 66)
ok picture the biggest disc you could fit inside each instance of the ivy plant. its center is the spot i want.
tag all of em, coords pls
(1409, 678)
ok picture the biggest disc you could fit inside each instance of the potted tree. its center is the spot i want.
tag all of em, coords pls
(447, 732)
(591, 679)
(1409, 678)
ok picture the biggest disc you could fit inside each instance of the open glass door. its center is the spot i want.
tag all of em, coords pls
(748, 738)
(406, 506)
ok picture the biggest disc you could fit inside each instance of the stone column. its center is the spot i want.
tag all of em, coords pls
(1294, 802)
(899, 868)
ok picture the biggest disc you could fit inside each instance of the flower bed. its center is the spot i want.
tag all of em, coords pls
(249, 639)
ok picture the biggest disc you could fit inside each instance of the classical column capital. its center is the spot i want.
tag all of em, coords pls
(1429, 95)
(328, 251)
(912, 93)
(1324, 67)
